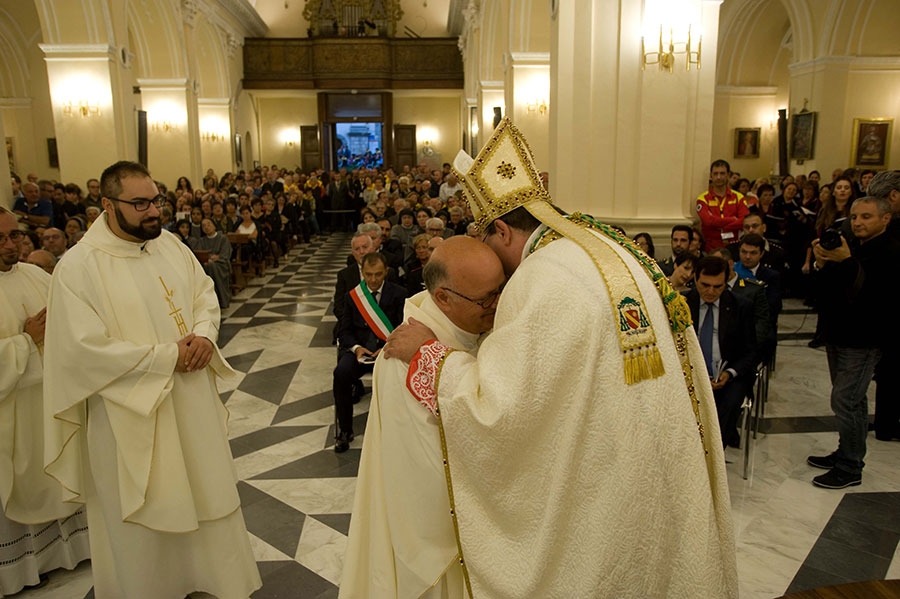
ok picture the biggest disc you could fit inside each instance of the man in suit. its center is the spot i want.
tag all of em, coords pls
(349, 277)
(724, 325)
(361, 337)
(751, 252)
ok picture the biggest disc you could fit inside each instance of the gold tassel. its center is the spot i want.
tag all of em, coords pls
(645, 367)
(656, 363)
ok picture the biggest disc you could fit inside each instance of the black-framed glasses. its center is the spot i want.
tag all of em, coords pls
(16, 237)
(143, 204)
(485, 303)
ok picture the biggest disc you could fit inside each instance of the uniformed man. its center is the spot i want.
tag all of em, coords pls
(681, 238)
(773, 253)
(721, 209)
(754, 292)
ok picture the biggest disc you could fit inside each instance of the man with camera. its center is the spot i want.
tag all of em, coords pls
(855, 280)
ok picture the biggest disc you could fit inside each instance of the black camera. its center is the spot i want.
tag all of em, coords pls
(830, 239)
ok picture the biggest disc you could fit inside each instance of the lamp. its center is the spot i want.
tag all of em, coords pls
(290, 137)
(81, 107)
(163, 125)
(214, 130)
(668, 49)
(537, 105)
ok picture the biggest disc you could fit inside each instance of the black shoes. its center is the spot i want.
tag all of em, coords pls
(837, 479)
(825, 462)
(342, 442)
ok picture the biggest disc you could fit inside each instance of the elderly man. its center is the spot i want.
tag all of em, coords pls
(582, 443)
(134, 425)
(34, 210)
(39, 532)
(54, 241)
(389, 555)
(449, 188)
(43, 259)
(435, 227)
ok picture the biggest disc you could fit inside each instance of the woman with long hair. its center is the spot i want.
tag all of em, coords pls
(645, 242)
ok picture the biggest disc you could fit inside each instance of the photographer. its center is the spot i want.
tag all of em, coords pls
(855, 281)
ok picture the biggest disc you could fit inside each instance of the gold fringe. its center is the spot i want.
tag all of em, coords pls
(643, 364)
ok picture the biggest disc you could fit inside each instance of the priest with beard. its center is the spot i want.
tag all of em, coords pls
(134, 427)
(582, 448)
(391, 555)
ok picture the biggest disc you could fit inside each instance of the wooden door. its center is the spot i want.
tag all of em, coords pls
(310, 154)
(404, 146)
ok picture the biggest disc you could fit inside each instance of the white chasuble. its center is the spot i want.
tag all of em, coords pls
(567, 481)
(144, 446)
(39, 532)
(401, 543)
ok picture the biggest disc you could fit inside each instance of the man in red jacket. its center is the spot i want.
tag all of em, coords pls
(721, 209)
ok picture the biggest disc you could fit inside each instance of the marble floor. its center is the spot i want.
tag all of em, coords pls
(297, 494)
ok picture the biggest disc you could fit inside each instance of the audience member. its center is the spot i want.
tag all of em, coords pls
(773, 254)
(755, 293)
(371, 310)
(721, 209)
(218, 260)
(54, 241)
(33, 210)
(724, 325)
(681, 242)
(43, 259)
(645, 242)
(435, 228)
(30, 242)
(853, 281)
(682, 276)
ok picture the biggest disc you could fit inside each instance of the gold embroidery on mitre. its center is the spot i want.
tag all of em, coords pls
(502, 177)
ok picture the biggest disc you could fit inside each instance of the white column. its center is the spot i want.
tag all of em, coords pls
(5, 185)
(630, 146)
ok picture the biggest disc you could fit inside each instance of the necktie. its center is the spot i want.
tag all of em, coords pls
(706, 337)
(375, 295)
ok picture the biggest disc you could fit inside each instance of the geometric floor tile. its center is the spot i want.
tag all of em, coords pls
(271, 383)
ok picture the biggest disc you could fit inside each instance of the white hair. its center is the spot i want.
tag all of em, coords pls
(434, 222)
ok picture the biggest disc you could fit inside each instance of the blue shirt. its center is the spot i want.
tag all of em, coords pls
(42, 208)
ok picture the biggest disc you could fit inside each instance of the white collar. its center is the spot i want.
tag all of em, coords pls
(531, 239)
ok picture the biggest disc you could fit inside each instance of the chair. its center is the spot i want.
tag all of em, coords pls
(751, 413)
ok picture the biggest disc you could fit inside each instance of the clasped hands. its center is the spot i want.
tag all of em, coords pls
(194, 353)
(838, 254)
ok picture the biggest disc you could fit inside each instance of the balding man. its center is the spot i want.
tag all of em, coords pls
(54, 241)
(42, 259)
(389, 554)
(39, 532)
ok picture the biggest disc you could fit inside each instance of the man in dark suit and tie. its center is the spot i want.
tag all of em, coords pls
(724, 325)
(371, 310)
(349, 277)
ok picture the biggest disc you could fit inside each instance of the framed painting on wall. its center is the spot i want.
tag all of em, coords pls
(746, 142)
(803, 132)
(871, 142)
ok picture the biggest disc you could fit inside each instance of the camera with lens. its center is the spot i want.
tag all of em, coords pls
(830, 239)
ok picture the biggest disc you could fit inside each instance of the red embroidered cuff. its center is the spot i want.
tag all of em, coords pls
(422, 374)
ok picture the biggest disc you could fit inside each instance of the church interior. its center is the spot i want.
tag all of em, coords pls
(624, 103)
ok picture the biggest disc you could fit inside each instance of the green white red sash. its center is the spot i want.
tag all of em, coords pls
(371, 311)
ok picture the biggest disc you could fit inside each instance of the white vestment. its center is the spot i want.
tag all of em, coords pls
(39, 532)
(143, 446)
(568, 482)
(401, 543)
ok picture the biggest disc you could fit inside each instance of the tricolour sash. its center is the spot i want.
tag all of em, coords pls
(371, 311)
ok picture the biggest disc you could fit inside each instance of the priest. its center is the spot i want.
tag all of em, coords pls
(134, 425)
(582, 441)
(39, 532)
(391, 555)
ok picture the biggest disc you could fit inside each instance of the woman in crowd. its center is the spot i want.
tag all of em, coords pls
(184, 184)
(835, 210)
(218, 266)
(91, 213)
(183, 231)
(74, 204)
(422, 216)
(414, 281)
(810, 197)
(272, 233)
(74, 229)
(697, 243)
(795, 232)
(368, 216)
(683, 274)
(645, 242)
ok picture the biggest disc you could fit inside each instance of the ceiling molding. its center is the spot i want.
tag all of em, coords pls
(246, 15)
(746, 90)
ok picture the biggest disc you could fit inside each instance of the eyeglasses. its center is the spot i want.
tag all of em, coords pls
(485, 302)
(16, 237)
(143, 204)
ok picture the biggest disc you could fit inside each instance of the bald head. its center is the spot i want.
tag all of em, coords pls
(464, 277)
(44, 259)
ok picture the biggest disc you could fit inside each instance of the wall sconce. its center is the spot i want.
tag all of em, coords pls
(539, 106)
(212, 136)
(163, 125)
(290, 137)
(81, 107)
(665, 56)
(213, 129)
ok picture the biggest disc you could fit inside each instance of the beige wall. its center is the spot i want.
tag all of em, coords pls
(215, 136)
(279, 116)
(245, 123)
(437, 117)
(747, 108)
